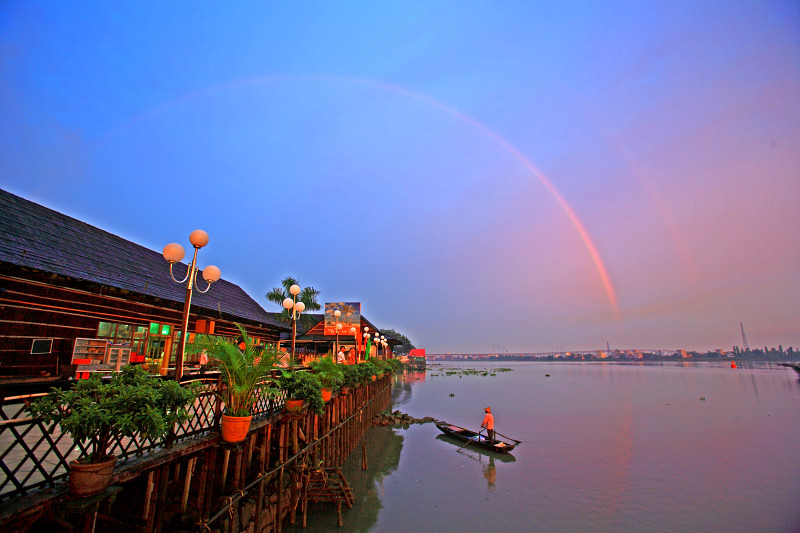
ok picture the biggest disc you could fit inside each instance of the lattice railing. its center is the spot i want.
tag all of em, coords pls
(34, 454)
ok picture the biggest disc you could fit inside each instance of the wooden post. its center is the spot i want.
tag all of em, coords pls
(278, 510)
(148, 495)
(259, 498)
(269, 444)
(162, 498)
(207, 496)
(187, 483)
(364, 456)
(237, 470)
(282, 442)
(262, 455)
(226, 458)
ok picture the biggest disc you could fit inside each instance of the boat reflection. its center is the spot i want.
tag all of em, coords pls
(490, 473)
(481, 454)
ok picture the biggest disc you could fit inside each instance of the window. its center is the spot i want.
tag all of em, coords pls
(42, 346)
(160, 329)
(106, 329)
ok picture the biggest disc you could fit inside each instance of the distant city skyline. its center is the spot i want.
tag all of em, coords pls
(537, 177)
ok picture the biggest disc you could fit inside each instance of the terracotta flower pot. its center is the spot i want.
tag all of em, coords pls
(374, 377)
(294, 406)
(326, 395)
(92, 478)
(235, 428)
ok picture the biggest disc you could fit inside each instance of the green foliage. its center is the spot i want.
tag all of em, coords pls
(404, 348)
(302, 385)
(372, 367)
(131, 404)
(242, 370)
(353, 376)
(330, 374)
(394, 365)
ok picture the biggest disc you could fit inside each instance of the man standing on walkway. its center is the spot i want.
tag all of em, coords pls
(488, 423)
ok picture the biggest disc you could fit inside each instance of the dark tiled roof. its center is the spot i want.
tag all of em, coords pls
(36, 237)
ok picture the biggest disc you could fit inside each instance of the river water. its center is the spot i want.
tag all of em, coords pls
(606, 447)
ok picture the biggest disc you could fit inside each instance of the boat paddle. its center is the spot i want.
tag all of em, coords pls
(509, 438)
(470, 439)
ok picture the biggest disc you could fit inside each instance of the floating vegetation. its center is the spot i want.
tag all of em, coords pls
(461, 372)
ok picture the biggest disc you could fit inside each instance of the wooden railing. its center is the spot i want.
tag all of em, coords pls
(34, 455)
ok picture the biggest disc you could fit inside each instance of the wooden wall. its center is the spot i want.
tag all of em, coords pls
(35, 305)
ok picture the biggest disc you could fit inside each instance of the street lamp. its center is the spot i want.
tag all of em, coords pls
(337, 314)
(174, 252)
(296, 308)
(366, 338)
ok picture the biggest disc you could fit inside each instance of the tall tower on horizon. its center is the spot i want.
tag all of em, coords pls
(744, 338)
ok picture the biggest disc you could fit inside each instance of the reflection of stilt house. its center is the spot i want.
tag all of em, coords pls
(69, 290)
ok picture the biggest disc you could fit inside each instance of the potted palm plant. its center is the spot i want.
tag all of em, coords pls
(330, 374)
(304, 386)
(97, 414)
(242, 367)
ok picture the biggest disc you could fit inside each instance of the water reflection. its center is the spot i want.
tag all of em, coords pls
(490, 473)
(403, 384)
(383, 448)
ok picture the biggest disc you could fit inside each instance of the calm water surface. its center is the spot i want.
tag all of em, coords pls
(606, 447)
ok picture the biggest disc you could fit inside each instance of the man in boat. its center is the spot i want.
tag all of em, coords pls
(488, 423)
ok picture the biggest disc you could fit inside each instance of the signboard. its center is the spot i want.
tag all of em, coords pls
(350, 317)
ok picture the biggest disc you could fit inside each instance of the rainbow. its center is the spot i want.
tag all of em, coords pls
(576, 222)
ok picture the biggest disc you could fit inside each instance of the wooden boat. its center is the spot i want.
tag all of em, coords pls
(475, 439)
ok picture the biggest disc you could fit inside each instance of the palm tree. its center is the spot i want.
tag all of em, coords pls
(308, 295)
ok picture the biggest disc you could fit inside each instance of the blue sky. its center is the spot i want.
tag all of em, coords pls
(482, 176)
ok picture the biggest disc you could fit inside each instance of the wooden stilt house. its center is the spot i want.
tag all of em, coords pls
(70, 291)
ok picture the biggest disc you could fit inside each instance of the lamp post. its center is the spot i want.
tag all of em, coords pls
(174, 252)
(296, 308)
(337, 314)
(366, 338)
